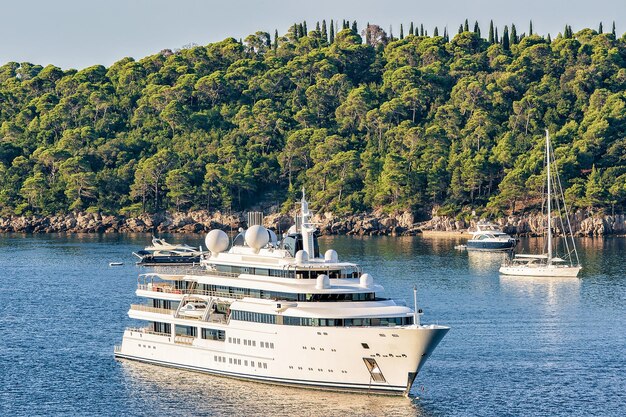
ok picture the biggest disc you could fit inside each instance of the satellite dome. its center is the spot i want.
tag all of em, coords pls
(257, 237)
(331, 256)
(323, 282)
(366, 281)
(216, 241)
(302, 257)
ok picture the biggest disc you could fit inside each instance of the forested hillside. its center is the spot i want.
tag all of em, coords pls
(362, 119)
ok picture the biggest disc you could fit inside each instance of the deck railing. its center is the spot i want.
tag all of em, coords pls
(171, 290)
(184, 340)
(147, 330)
(149, 309)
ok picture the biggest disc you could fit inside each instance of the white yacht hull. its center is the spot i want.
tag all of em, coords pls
(314, 357)
(541, 271)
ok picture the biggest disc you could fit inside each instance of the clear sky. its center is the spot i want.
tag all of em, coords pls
(80, 33)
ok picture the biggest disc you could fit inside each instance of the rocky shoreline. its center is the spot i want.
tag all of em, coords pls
(363, 224)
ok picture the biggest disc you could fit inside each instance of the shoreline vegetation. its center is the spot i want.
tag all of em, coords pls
(364, 224)
(366, 121)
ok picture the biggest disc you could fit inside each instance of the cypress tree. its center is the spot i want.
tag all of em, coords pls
(566, 32)
(476, 28)
(549, 39)
(354, 27)
(306, 31)
(466, 26)
(505, 38)
(491, 38)
(460, 29)
(600, 29)
(295, 30)
(324, 31)
(421, 29)
(401, 31)
(275, 39)
(530, 28)
(391, 39)
(495, 37)
(436, 31)
(445, 34)
(368, 38)
(513, 39)
(426, 33)
(331, 38)
(317, 26)
(613, 30)
(411, 29)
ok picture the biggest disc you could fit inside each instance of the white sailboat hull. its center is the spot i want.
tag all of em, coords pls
(541, 271)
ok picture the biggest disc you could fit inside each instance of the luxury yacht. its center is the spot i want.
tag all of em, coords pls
(489, 237)
(281, 313)
(163, 253)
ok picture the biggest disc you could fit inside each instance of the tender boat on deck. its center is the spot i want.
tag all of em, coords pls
(163, 253)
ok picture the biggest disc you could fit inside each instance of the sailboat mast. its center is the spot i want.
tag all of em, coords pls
(549, 197)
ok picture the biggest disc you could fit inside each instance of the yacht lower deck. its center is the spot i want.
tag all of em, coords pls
(382, 360)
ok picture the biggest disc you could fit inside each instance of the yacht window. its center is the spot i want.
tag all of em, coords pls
(213, 334)
(186, 331)
(365, 345)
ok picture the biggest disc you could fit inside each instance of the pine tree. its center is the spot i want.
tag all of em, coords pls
(331, 38)
(491, 38)
(466, 26)
(613, 31)
(600, 28)
(324, 31)
(421, 29)
(567, 32)
(436, 31)
(530, 29)
(505, 38)
(275, 39)
(513, 39)
(411, 29)
(354, 27)
(401, 31)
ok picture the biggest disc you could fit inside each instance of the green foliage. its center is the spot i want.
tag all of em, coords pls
(362, 122)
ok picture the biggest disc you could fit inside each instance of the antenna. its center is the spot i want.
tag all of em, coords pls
(416, 313)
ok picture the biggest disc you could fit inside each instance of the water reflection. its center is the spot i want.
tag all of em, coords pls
(485, 262)
(554, 290)
(184, 393)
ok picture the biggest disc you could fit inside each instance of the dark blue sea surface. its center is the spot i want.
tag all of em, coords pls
(517, 347)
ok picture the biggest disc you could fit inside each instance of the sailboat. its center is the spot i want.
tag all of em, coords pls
(548, 264)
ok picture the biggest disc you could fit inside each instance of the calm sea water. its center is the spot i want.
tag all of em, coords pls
(518, 346)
